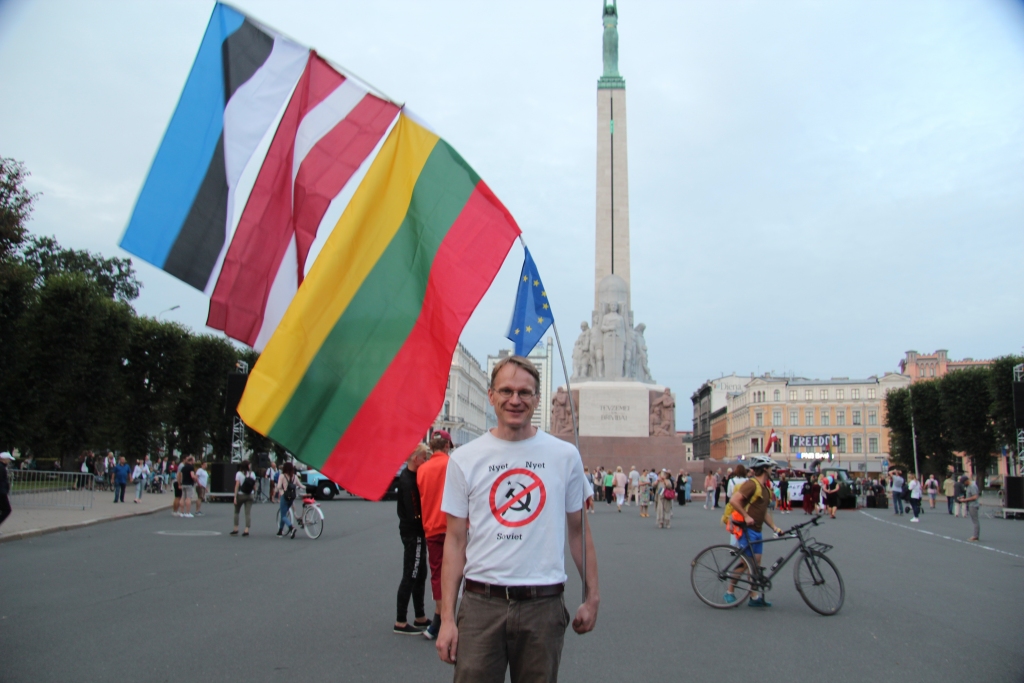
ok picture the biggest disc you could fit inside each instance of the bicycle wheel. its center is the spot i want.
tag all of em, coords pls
(714, 569)
(313, 520)
(819, 583)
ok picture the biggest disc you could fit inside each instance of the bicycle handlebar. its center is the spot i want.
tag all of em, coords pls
(813, 520)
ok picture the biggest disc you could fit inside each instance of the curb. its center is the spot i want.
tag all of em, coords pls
(31, 533)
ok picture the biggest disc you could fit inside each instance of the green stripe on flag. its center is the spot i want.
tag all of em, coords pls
(380, 317)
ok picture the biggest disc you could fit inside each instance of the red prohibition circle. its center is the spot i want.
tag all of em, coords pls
(536, 484)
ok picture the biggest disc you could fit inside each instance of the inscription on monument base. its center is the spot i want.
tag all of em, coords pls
(614, 409)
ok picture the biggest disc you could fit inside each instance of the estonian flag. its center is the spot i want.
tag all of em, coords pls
(532, 314)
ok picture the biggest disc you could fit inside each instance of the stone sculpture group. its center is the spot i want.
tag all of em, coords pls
(610, 349)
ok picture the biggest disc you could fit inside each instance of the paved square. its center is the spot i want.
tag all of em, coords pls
(157, 598)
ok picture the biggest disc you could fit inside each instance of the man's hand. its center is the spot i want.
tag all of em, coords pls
(586, 618)
(447, 642)
(748, 519)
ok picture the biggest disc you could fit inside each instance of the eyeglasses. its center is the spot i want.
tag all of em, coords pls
(524, 394)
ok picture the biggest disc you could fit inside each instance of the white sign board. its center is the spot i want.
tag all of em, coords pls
(614, 409)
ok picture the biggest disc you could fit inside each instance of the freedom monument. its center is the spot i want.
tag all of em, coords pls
(623, 413)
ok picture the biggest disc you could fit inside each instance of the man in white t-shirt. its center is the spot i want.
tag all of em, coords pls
(509, 496)
(634, 485)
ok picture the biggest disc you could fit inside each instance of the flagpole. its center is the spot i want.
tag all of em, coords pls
(576, 438)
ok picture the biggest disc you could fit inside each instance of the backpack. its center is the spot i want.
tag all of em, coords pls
(729, 509)
(248, 484)
(289, 493)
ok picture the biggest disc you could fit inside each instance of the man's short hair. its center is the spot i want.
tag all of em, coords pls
(438, 443)
(518, 361)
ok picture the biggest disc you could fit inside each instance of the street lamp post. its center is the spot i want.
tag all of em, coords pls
(168, 310)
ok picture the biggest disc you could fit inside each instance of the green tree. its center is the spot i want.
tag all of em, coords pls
(966, 399)
(16, 294)
(154, 375)
(897, 420)
(1001, 387)
(15, 206)
(115, 276)
(200, 415)
(75, 344)
(933, 444)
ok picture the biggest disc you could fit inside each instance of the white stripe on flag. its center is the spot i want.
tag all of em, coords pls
(286, 279)
(249, 118)
(323, 118)
(286, 284)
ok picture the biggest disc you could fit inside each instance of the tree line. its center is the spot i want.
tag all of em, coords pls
(81, 370)
(968, 411)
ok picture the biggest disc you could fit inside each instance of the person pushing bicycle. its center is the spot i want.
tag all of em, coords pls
(750, 511)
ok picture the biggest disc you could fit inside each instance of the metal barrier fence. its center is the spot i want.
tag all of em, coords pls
(35, 489)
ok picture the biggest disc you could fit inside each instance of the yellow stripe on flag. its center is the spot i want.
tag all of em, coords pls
(363, 232)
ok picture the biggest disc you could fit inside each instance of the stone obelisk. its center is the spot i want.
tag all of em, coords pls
(612, 243)
(623, 412)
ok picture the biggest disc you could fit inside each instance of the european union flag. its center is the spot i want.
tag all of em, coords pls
(532, 315)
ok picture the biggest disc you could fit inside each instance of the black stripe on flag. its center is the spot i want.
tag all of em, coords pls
(201, 239)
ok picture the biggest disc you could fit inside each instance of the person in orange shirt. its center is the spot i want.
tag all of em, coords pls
(430, 481)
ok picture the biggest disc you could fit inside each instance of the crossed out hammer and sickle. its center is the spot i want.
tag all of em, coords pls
(523, 504)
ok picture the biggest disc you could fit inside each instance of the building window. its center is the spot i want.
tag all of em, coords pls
(840, 418)
(856, 444)
(823, 394)
(871, 393)
(792, 394)
(872, 444)
(840, 393)
(777, 446)
(872, 418)
(808, 394)
(447, 408)
(842, 443)
(856, 417)
(794, 418)
(824, 417)
(809, 418)
(759, 417)
(855, 394)
(755, 445)
(778, 395)
(777, 418)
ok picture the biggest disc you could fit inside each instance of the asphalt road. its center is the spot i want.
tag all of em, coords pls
(135, 600)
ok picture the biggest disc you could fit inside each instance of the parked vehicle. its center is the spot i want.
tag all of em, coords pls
(321, 487)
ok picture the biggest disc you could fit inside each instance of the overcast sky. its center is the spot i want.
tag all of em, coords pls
(815, 187)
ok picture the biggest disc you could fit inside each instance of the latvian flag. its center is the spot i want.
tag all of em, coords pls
(252, 172)
(772, 439)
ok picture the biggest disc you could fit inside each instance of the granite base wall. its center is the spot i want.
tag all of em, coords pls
(642, 452)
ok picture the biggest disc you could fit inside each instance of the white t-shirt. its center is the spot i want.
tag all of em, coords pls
(516, 495)
(202, 477)
(734, 484)
(240, 478)
(634, 477)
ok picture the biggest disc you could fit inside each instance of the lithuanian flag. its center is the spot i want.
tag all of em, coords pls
(356, 371)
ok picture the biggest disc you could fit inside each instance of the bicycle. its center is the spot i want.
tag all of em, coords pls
(311, 520)
(817, 579)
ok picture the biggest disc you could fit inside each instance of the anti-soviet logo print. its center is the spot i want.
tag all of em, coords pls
(517, 497)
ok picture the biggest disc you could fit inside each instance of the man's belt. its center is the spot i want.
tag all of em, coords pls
(514, 592)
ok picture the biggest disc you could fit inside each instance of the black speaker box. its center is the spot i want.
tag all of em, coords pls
(236, 387)
(222, 476)
(1018, 404)
(1014, 492)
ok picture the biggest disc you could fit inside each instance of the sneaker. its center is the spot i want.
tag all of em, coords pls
(189, 515)
(914, 519)
(729, 598)
(293, 532)
(758, 602)
(199, 514)
(408, 630)
(430, 633)
(279, 532)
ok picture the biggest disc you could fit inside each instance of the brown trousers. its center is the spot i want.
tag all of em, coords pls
(523, 636)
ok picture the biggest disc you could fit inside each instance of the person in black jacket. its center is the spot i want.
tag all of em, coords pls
(414, 564)
(5, 486)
